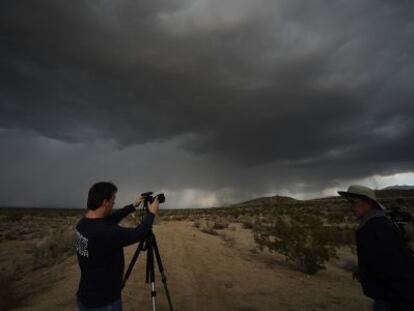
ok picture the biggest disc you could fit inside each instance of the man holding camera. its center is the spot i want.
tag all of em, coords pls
(99, 247)
(385, 267)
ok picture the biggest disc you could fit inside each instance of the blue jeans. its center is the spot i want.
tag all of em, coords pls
(114, 306)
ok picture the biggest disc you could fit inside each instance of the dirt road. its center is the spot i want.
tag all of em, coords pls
(205, 273)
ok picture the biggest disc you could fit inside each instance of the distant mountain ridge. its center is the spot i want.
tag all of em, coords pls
(391, 192)
(395, 192)
(399, 187)
(266, 201)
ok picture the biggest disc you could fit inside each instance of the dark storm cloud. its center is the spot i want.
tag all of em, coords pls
(311, 91)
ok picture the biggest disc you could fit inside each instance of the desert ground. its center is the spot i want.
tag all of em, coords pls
(204, 272)
(210, 264)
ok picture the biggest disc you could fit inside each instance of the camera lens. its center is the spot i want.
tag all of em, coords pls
(161, 197)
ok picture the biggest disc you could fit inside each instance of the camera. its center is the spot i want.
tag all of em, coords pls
(149, 198)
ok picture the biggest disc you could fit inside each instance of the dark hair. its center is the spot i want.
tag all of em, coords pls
(99, 192)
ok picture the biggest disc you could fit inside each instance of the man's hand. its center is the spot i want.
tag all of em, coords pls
(137, 202)
(154, 206)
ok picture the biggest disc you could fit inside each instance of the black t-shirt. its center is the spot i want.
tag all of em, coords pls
(99, 247)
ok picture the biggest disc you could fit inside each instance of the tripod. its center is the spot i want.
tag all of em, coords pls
(150, 245)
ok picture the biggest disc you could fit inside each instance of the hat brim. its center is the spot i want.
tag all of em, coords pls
(346, 194)
(343, 193)
(350, 194)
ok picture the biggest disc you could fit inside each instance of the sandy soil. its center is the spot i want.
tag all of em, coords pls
(206, 272)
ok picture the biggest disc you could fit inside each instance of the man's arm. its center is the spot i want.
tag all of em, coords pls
(120, 236)
(116, 216)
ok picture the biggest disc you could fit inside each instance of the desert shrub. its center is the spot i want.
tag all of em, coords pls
(209, 231)
(232, 217)
(54, 248)
(11, 235)
(246, 221)
(247, 224)
(230, 240)
(178, 217)
(220, 224)
(305, 243)
(341, 236)
(193, 217)
(14, 216)
(216, 222)
(335, 218)
(197, 224)
(208, 227)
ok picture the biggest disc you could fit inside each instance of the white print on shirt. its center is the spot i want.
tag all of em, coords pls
(81, 245)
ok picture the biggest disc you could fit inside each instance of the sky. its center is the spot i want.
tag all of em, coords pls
(211, 101)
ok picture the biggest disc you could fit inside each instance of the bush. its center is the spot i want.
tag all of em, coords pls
(220, 224)
(230, 240)
(304, 243)
(335, 218)
(341, 236)
(208, 227)
(14, 216)
(246, 221)
(54, 247)
(209, 231)
(247, 224)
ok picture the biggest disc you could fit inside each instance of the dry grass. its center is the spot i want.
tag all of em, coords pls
(229, 239)
(209, 231)
(207, 227)
(53, 248)
(197, 224)
(211, 225)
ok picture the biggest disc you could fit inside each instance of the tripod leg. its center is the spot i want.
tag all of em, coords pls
(161, 269)
(147, 267)
(133, 260)
(150, 270)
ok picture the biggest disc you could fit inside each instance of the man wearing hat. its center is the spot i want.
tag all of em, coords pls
(386, 268)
